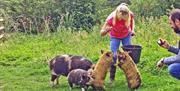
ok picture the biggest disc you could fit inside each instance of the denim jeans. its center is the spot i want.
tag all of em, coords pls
(114, 45)
(174, 70)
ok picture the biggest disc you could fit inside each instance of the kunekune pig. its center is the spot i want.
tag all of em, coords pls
(63, 64)
(80, 78)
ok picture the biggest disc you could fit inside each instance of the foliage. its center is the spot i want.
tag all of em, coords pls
(36, 16)
(78, 13)
(27, 15)
(154, 8)
(74, 14)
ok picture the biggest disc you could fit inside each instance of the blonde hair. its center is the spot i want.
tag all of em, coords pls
(122, 8)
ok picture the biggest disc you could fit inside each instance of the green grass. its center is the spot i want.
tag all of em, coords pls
(23, 58)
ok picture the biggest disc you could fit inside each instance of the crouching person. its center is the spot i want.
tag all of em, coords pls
(172, 62)
(80, 78)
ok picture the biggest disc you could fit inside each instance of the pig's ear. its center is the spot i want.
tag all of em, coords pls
(108, 54)
(93, 66)
(83, 76)
(90, 72)
(102, 51)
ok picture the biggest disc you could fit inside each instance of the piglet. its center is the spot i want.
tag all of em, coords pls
(80, 78)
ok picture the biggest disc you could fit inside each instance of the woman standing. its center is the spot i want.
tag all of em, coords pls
(120, 26)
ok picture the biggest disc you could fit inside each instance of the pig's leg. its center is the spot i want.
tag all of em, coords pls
(53, 78)
(82, 89)
(94, 88)
(103, 89)
(57, 80)
(70, 85)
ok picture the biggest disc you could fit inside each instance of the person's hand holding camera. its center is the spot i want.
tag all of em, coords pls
(163, 43)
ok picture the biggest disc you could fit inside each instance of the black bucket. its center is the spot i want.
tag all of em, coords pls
(135, 51)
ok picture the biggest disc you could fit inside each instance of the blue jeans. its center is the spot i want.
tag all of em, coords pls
(115, 43)
(174, 70)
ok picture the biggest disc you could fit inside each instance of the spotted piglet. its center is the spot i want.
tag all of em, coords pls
(80, 78)
(63, 64)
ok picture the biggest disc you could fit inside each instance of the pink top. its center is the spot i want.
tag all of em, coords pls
(119, 30)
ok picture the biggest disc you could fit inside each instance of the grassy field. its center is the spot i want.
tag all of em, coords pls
(23, 58)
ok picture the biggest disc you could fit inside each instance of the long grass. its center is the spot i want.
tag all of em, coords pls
(24, 57)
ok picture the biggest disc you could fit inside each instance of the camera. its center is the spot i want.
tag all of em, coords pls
(160, 42)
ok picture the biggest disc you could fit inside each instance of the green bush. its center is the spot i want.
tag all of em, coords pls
(154, 8)
(27, 15)
(78, 13)
(49, 15)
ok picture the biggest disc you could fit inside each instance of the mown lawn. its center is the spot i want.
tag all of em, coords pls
(24, 67)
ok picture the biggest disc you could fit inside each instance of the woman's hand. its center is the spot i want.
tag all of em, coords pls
(108, 28)
(105, 29)
(133, 33)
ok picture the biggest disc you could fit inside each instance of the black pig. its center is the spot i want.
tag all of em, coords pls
(80, 78)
